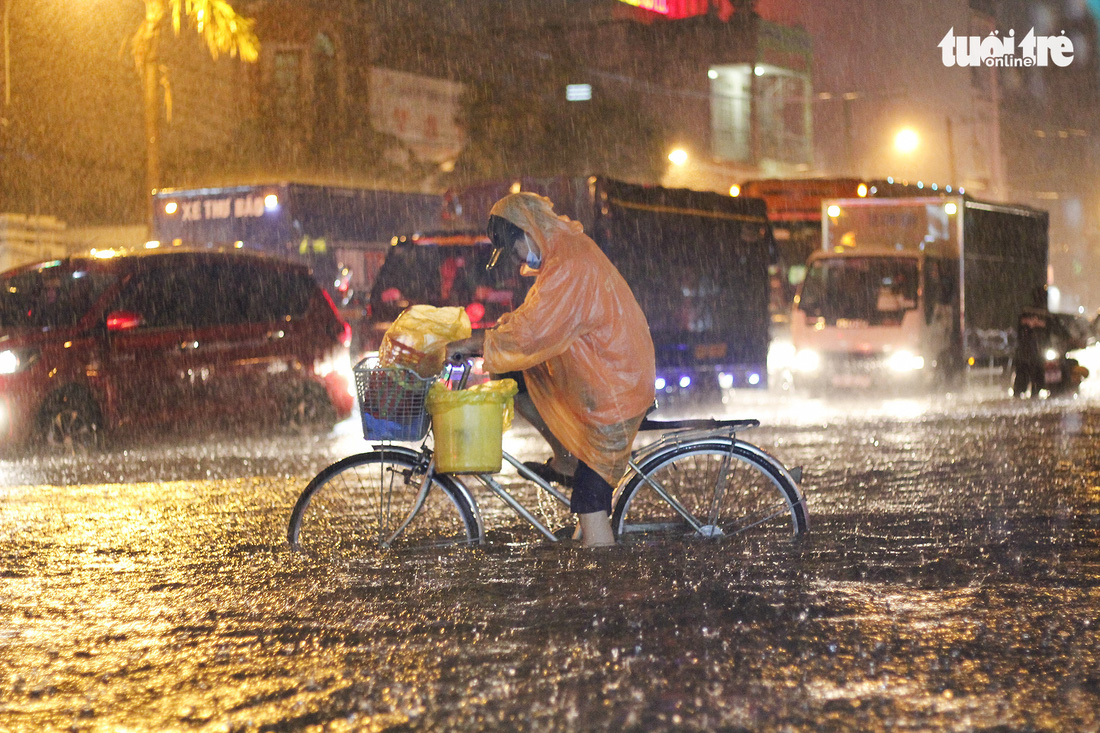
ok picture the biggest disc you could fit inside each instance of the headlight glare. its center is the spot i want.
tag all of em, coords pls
(807, 360)
(905, 361)
(14, 361)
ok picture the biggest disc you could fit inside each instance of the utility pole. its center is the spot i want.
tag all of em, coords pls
(951, 154)
(7, 53)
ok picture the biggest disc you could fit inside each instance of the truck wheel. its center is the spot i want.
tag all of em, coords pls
(69, 422)
(309, 407)
(948, 371)
(812, 388)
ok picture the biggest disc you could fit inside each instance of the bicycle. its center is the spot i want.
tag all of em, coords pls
(698, 479)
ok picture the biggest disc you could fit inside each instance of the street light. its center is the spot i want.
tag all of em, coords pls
(692, 171)
(906, 141)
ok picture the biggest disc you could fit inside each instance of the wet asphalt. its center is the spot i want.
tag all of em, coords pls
(950, 581)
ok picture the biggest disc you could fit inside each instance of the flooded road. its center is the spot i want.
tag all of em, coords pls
(950, 581)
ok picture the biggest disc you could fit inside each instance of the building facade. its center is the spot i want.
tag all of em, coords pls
(879, 73)
(378, 93)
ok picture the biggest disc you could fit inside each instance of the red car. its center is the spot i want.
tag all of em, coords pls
(93, 344)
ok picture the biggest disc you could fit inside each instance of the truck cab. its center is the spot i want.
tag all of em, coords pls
(874, 317)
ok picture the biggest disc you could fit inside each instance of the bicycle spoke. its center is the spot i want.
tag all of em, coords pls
(719, 490)
(749, 521)
(417, 505)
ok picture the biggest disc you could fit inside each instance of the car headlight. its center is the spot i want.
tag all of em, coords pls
(905, 361)
(780, 355)
(12, 361)
(1051, 355)
(807, 360)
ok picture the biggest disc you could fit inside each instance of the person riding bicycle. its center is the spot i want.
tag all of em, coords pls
(583, 346)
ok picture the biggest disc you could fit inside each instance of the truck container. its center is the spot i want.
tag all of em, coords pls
(341, 232)
(915, 290)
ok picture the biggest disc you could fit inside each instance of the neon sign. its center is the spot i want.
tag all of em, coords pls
(675, 9)
(656, 6)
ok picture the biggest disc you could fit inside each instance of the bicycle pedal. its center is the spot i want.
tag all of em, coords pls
(565, 533)
(796, 474)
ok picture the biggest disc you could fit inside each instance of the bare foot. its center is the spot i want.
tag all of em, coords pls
(595, 530)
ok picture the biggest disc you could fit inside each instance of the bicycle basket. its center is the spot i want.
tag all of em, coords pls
(391, 400)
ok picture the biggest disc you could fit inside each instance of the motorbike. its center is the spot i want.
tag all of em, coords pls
(1062, 374)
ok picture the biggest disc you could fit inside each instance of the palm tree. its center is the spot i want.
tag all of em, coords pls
(223, 31)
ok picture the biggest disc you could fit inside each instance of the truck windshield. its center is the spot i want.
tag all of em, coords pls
(52, 296)
(877, 290)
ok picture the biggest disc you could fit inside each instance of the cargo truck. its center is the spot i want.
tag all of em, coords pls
(915, 291)
(697, 263)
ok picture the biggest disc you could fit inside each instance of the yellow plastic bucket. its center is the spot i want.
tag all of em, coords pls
(469, 426)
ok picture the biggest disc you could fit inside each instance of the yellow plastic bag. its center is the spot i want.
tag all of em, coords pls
(418, 338)
(469, 425)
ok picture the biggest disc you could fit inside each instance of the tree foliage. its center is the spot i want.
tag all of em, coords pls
(222, 29)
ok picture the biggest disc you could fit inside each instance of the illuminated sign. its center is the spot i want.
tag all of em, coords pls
(578, 92)
(656, 6)
(676, 9)
(245, 207)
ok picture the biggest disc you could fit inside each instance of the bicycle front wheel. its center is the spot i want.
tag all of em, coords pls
(360, 503)
(710, 489)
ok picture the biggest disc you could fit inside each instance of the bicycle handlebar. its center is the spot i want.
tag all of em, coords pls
(460, 359)
(466, 361)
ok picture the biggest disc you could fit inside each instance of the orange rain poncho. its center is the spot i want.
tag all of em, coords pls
(580, 339)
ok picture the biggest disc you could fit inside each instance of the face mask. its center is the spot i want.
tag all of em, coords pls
(534, 260)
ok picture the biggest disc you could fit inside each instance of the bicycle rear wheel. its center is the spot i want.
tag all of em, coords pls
(358, 503)
(728, 487)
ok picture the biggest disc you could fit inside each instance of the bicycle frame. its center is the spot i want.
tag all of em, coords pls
(514, 503)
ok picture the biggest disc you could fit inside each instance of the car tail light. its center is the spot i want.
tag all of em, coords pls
(123, 321)
(476, 311)
(341, 330)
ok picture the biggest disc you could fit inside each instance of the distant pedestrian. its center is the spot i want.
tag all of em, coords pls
(1037, 330)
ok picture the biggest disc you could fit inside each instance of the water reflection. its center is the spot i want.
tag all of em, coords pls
(949, 582)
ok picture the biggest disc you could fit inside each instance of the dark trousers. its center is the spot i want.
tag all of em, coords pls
(590, 492)
(1029, 373)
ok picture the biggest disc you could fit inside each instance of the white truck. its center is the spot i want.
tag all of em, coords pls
(913, 291)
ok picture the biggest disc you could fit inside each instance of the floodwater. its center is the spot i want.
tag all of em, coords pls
(950, 581)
